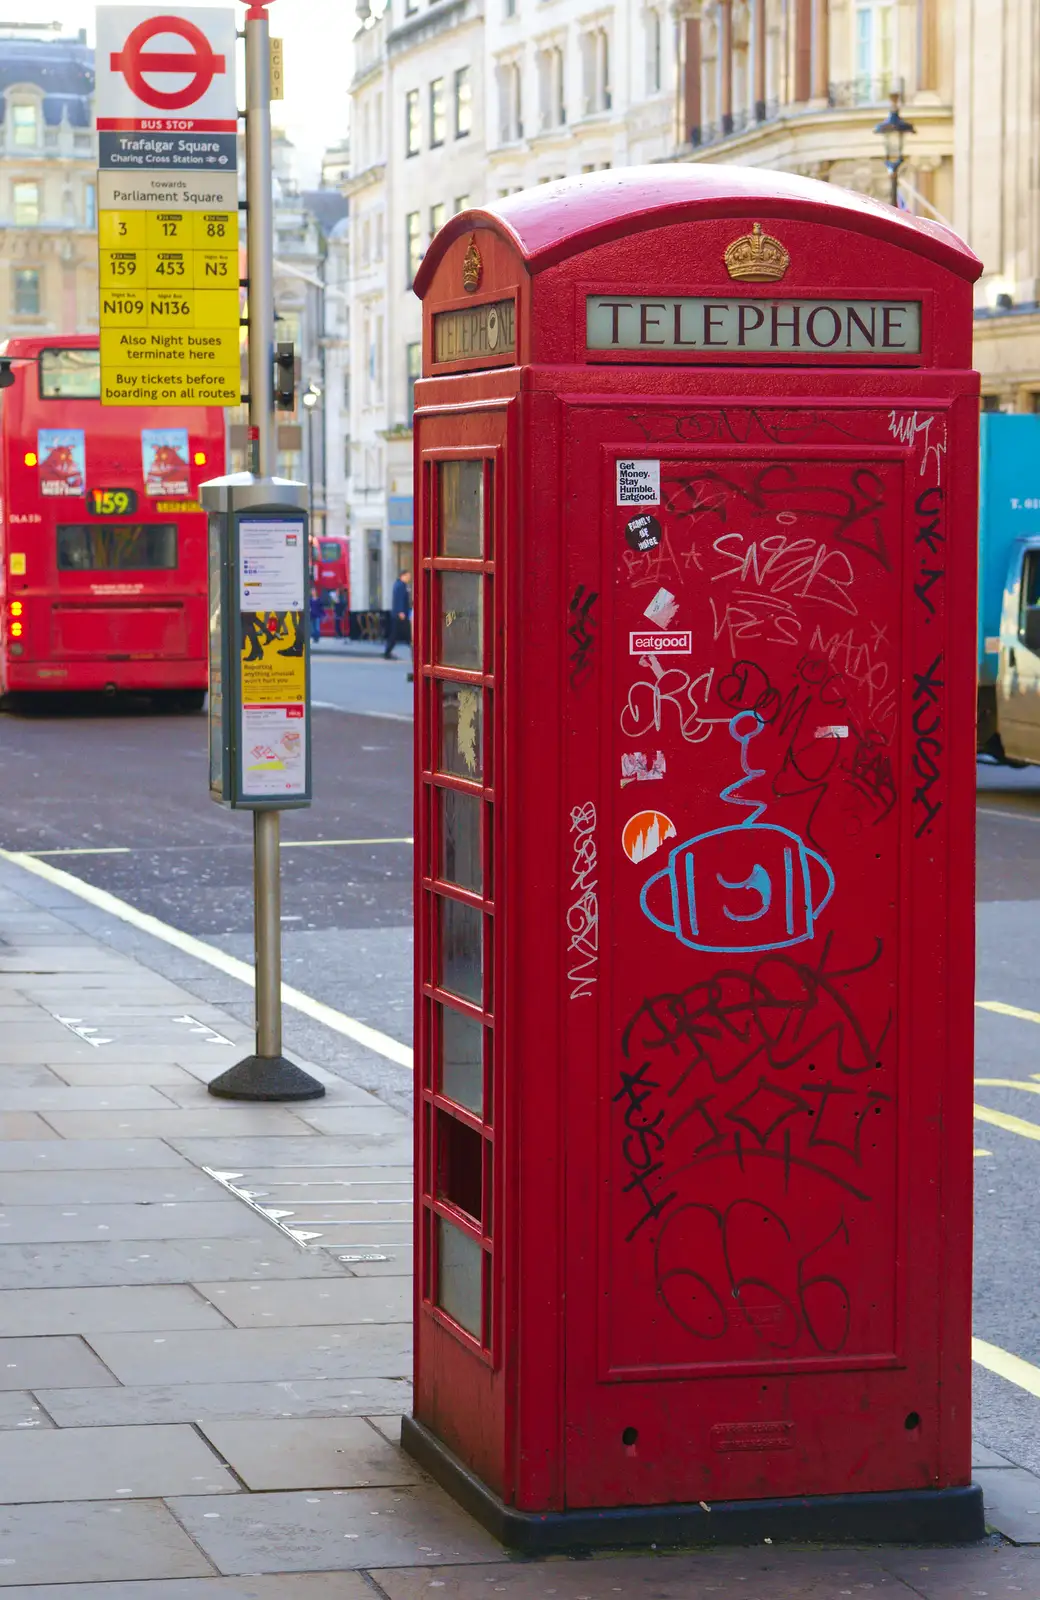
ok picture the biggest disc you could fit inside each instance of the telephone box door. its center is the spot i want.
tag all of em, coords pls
(759, 745)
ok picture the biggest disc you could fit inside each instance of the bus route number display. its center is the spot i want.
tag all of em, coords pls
(112, 502)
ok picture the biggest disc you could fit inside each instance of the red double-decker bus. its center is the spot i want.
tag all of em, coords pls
(103, 582)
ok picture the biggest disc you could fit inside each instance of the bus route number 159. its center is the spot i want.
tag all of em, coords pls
(112, 502)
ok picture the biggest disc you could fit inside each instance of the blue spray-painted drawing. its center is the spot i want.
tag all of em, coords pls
(748, 886)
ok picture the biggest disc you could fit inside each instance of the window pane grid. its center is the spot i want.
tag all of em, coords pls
(459, 632)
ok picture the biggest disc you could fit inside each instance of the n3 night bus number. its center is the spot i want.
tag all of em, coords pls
(112, 502)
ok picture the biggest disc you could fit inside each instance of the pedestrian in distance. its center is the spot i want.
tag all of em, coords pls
(316, 610)
(339, 607)
(400, 608)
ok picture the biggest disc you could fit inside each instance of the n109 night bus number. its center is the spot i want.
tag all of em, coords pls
(111, 502)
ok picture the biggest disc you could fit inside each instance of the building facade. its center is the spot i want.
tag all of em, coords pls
(48, 192)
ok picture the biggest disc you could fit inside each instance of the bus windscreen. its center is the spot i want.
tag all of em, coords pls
(117, 547)
(69, 374)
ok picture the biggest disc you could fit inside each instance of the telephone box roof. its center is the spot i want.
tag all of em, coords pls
(552, 221)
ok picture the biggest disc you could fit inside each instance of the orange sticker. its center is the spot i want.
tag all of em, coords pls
(645, 833)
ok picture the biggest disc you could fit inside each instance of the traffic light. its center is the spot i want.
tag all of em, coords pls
(284, 377)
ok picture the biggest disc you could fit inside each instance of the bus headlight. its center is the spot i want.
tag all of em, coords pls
(16, 630)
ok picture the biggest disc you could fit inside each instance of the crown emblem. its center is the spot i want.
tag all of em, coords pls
(756, 257)
(472, 267)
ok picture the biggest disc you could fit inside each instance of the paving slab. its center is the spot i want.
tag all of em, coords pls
(349, 1528)
(228, 1153)
(114, 1310)
(297, 1586)
(198, 1402)
(100, 1263)
(175, 1123)
(24, 1125)
(137, 1185)
(983, 1456)
(309, 1302)
(368, 1262)
(141, 1463)
(243, 1355)
(58, 1363)
(215, 1219)
(61, 1098)
(29, 1077)
(364, 1121)
(100, 1073)
(998, 1571)
(314, 1453)
(389, 1427)
(21, 1410)
(59, 1543)
(1012, 1497)
(49, 1153)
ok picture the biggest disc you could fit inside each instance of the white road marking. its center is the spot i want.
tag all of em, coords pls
(371, 1038)
(86, 850)
(354, 711)
(1008, 816)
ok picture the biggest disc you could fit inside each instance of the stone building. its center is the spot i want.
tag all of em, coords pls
(48, 191)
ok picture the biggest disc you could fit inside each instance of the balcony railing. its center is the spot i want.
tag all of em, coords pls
(865, 92)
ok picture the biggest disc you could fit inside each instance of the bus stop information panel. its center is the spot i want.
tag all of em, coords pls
(696, 455)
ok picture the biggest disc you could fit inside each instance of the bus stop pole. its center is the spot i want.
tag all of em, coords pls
(267, 1075)
(260, 245)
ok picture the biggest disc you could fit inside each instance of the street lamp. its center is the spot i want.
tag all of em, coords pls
(310, 397)
(894, 130)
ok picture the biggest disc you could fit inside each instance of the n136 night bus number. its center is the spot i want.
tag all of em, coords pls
(112, 502)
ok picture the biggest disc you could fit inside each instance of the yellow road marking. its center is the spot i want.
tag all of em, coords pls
(86, 850)
(1001, 1119)
(982, 1152)
(1009, 1083)
(1008, 1011)
(1005, 1365)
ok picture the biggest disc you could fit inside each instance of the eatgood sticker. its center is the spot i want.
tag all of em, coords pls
(643, 533)
(677, 643)
(639, 483)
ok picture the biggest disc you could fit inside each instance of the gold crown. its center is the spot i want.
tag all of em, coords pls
(472, 267)
(756, 257)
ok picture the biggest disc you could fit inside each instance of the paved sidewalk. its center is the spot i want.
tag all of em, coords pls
(205, 1329)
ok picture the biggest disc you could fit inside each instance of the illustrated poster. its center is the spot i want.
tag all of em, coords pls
(62, 456)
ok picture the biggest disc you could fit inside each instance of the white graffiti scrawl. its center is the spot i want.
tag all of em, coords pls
(583, 911)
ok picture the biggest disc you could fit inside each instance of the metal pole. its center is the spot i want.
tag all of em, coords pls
(267, 923)
(260, 235)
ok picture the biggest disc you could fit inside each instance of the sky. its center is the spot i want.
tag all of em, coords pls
(318, 58)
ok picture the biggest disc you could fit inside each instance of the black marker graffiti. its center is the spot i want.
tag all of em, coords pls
(928, 510)
(581, 632)
(927, 723)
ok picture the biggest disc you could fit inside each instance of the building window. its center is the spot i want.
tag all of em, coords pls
(595, 71)
(346, 391)
(463, 103)
(347, 451)
(875, 52)
(25, 127)
(413, 354)
(412, 245)
(26, 204)
(461, 203)
(437, 112)
(411, 123)
(653, 52)
(410, 8)
(438, 217)
(509, 9)
(552, 112)
(26, 292)
(90, 205)
(510, 118)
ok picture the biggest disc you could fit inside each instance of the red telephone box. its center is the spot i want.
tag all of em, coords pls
(696, 453)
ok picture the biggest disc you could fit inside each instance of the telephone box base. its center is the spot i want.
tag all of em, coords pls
(907, 1516)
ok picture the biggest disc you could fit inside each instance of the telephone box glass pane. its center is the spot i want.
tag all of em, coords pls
(460, 628)
(460, 839)
(462, 1066)
(461, 509)
(462, 950)
(460, 1262)
(462, 743)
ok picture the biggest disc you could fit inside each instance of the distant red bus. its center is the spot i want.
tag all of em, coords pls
(330, 571)
(103, 582)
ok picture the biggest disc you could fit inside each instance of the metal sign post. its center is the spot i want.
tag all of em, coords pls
(260, 755)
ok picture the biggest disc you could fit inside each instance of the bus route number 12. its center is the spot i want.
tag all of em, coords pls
(112, 502)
